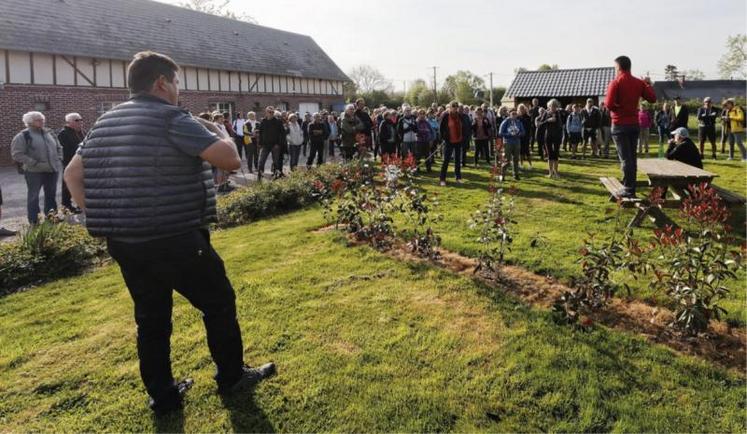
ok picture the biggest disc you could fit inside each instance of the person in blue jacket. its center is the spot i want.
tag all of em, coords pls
(511, 131)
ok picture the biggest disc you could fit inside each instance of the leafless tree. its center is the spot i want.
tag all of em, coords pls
(217, 7)
(368, 79)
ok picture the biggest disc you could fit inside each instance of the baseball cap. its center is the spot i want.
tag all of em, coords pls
(707, 99)
(682, 132)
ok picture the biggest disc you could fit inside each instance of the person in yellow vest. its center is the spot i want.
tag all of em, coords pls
(736, 128)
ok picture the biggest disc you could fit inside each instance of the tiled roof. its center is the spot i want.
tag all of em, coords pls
(117, 29)
(561, 83)
(699, 89)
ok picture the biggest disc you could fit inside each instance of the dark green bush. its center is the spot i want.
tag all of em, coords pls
(49, 250)
(54, 249)
(260, 200)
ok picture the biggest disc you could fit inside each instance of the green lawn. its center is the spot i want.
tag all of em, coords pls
(362, 342)
(562, 212)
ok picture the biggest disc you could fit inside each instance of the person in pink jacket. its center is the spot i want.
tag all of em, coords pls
(644, 123)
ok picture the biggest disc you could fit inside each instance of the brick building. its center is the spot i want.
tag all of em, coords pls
(60, 56)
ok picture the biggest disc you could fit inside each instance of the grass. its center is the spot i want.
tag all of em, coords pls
(362, 342)
(560, 213)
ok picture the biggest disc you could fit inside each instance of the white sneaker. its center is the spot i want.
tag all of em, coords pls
(442, 183)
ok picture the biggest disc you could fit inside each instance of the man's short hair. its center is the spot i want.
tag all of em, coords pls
(454, 104)
(146, 67)
(624, 62)
(70, 117)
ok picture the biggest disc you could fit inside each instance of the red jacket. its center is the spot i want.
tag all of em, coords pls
(624, 94)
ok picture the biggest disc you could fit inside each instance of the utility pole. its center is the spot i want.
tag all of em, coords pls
(491, 90)
(435, 91)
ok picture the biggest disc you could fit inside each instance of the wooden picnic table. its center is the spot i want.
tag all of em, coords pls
(672, 175)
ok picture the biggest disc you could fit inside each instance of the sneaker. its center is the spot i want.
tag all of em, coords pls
(6, 232)
(161, 409)
(461, 181)
(249, 377)
(442, 183)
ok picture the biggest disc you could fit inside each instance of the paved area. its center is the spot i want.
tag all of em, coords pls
(14, 192)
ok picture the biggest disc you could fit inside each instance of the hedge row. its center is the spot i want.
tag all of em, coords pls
(53, 249)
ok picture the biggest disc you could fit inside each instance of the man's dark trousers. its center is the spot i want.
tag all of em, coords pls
(188, 264)
(626, 140)
(317, 151)
(35, 182)
(456, 151)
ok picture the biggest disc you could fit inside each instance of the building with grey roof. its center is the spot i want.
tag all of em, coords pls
(566, 85)
(718, 90)
(60, 56)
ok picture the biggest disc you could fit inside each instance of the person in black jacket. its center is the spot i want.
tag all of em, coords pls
(270, 135)
(455, 131)
(526, 122)
(361, 112)
(318, 133)
(70, 137)
(681, 114)
(707, 126)
(592, 120)
(552, 124)
(682, 149)
(534, 113)
(388, 137)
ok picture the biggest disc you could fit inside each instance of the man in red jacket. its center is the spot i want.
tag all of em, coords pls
(623, 97)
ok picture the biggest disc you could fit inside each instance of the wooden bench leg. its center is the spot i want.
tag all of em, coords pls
(661, 219)
(655, 213)
(638, 218)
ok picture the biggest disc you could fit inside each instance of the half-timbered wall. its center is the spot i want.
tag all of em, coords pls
(17, 67)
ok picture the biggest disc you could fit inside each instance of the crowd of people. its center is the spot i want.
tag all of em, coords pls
(144, 172)
(505, 136)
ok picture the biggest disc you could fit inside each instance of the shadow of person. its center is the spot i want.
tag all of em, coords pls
(170, 423)
(244, 413)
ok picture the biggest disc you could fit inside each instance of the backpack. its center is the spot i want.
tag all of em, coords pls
(27, 138)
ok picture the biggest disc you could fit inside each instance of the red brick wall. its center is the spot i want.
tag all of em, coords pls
(15, 100)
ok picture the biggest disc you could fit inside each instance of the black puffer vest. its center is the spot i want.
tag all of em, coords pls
(137, 184)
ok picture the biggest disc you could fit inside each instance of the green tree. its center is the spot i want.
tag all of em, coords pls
(419, 93)
(217, 7)
(671, 73)
(734, 62)
(546, 67)
(694, 74)
(462, 87)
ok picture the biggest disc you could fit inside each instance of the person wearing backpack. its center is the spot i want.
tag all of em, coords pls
(39, 152)
(736, 128)
(70, 138)
(425, 136)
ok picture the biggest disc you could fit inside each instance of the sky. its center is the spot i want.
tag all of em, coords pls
(405, 39)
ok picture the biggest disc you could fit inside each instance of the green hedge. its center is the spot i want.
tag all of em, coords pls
(269, 198)
(47, 251)
(54, 249)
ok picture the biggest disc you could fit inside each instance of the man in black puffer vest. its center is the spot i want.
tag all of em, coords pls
(143, 179)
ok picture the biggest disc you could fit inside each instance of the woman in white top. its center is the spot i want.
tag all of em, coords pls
(295, 140)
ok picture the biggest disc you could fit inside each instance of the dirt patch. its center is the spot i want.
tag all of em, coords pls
(722, 345)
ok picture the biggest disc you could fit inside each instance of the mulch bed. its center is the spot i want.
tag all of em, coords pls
(722, 344)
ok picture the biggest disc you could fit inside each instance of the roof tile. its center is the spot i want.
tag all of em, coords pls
(118, 29)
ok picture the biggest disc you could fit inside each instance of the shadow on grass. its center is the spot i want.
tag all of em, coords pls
(245, 415)
(171, 423)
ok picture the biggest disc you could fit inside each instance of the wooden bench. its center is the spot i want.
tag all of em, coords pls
(614, 187)
(728, 196)
(644, 207)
